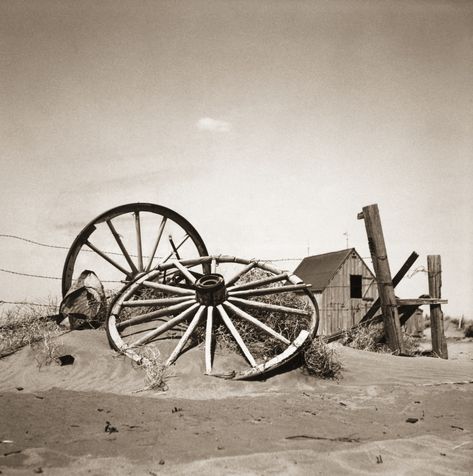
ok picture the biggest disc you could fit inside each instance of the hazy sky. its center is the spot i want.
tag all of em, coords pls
(268, 124)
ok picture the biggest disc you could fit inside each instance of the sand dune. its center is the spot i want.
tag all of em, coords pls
(288, 424)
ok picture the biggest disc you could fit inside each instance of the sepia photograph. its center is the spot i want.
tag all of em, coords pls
(236, 237)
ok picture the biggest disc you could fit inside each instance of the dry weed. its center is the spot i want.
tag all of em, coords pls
(48, 349)
(320, 360)
(26, 325)
(156, 373)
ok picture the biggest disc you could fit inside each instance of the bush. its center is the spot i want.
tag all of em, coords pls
(468, 331)
(320, 360)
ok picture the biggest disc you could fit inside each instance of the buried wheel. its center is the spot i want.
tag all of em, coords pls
(242, 307)
(130, 240)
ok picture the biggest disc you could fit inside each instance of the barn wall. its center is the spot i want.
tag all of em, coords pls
(337, 310)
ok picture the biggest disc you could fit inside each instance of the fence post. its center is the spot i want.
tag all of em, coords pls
(374, 230)
(439, 343)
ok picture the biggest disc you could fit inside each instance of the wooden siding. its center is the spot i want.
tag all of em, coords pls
(337, 310)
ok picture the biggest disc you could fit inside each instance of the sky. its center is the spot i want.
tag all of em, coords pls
(268, 125)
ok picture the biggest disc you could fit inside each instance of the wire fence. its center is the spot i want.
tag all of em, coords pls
(59, 278)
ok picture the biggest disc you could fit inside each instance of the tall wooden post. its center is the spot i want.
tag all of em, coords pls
(439, 343)
(374, 230)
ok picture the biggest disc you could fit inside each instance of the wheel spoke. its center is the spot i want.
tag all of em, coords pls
(155, 302)
(239, 312)
(182, 341)
(169, 289)
(176, 248)
(208, 340)
(149, 316)
(163, 328)
(138, 240)
(156, 243)
(122, 247)
(240, 273)
(265, 291)
(269, 307)
(107, 258)
(259, 282)
(236, 335)
(186, 273)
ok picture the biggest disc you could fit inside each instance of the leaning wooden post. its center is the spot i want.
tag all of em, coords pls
(439, 343)
(374, 230)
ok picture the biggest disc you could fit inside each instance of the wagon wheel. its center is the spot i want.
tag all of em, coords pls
(262, 314)
(130, 240)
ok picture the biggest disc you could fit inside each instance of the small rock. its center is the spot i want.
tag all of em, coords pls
(379, 459)
(109, 428)
(412, 420)
(38, 470)
(19, 389)
(161, 461)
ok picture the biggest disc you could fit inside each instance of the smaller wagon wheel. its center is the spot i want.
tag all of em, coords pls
(128, 241)
(249, 307)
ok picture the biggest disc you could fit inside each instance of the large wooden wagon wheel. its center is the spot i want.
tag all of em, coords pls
(263, 314)
(130, 240)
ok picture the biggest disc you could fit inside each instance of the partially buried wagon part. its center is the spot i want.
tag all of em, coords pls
(129, 240)
(176, 298)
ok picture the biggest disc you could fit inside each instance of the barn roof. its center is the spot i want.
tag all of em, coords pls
(318, 270)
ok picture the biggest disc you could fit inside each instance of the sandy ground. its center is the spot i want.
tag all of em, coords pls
(53, 419)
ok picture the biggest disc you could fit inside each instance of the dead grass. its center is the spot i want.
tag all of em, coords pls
(156, 373)
(371, 338)
(321, 360)
(48, 349)
(28, 325)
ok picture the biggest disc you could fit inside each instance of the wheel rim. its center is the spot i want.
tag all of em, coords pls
(127, 241)
(197, 311)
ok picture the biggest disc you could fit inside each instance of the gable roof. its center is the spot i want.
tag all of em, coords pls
(318, 270)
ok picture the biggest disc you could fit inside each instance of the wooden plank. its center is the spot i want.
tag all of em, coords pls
(208, 340)
(107, 258)
(420, 301)
(240, 273)
(266, 291)
(439, 343)
(149, 316)
(236, 335)
(186, 273)
(374, 231)
(244, 315)
(259, 282)
(169, 289)
(269, 307)
(396, 280)
(139, 248)
(166, 326)
(122, 246)
(156, 243)
(185, 337)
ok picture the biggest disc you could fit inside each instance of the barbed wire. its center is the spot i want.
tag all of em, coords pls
(29, 275)
(27, 303)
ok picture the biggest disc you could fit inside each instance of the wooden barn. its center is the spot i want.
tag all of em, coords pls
(343, 285)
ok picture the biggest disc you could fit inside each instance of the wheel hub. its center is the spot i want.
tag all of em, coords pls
(211, 290)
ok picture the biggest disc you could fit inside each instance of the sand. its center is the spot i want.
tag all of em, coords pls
(288, 424)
